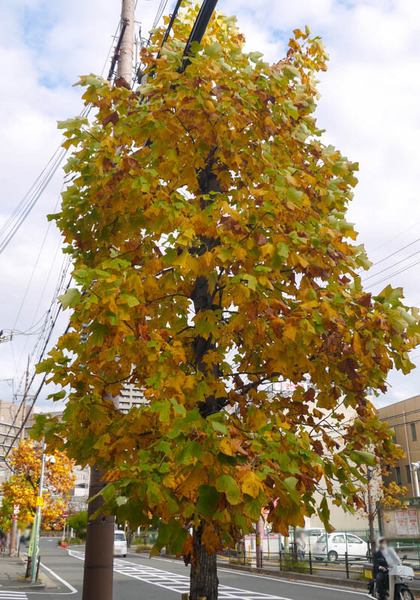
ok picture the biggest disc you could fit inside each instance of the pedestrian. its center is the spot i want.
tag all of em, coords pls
(301, 545)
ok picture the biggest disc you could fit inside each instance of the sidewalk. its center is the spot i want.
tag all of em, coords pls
(12, 576)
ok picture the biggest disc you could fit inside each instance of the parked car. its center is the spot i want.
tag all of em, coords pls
(333, 546)
(120, 543)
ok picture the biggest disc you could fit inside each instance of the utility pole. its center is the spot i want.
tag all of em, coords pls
(14, 533)
(99, 554)
(125, 57)
(25, 395)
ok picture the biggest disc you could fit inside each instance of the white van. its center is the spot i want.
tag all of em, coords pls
(120, 543)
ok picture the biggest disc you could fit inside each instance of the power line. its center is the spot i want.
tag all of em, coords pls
(393, 265)
(9, 230)
(396, 273)
(396, 236)
(44, 348)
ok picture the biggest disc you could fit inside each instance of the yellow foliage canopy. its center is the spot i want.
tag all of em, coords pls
(206, 221)
(22, 488)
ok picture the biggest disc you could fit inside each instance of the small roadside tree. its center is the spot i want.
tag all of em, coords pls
(377, 494)
(22, 488)
(206, 221)
(78, 522)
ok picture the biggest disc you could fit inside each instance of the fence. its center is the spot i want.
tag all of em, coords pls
(331, 564)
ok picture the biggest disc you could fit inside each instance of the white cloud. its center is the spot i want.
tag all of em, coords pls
(369, 108)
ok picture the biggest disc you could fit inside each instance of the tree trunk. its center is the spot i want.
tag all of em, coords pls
(203, 579)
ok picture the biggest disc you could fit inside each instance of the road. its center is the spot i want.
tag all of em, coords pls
(139, 578)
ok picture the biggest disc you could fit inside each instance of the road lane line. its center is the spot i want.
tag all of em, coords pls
(63, 581)
(177, 583)
(312, 585)
(291, 582)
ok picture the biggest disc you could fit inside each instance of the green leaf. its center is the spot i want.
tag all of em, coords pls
(226, 484)
(252, 282)
(129, 299)
(208, 497)
(255, 56)
(75, 123)
(108, 492)
(360, 457)
(70, 299)
(282, 249)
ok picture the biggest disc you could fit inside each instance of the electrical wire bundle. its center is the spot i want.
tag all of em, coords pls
(21, 212)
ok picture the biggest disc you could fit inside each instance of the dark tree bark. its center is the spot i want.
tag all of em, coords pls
(204, 581)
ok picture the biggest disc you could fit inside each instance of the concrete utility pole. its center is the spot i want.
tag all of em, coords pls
(125, 58)
(14, 533)
(25, 397)
(99, 555)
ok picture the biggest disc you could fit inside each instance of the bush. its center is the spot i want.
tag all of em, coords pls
(289, 563)
(78, 522)
(143, 547)
(239, 561)
(75, 540)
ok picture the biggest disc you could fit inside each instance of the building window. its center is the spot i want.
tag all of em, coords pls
(408, 473)
(413, 432)
(398, 475)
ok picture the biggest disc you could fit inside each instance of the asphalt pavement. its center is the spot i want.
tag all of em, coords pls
(139, 578)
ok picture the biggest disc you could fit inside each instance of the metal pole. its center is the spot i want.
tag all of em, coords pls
(37, 524)
(13, 536)
(125, 59)
(415, 479)
(258, 536)
(408, 451)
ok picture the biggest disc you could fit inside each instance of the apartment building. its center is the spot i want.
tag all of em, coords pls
(130, 397)
(404, 420)
(12, 415)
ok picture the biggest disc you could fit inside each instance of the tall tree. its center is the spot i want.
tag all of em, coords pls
(206, 221)
(21, 489)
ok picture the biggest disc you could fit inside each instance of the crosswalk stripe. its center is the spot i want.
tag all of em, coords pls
(181, 583)
(174, 582)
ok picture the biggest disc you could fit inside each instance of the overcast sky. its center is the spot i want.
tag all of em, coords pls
(369, 108)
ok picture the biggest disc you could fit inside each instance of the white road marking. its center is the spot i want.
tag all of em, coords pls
(289, 581)
(177, 583)
(61, 580)
(13, 595)
(54, 574)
